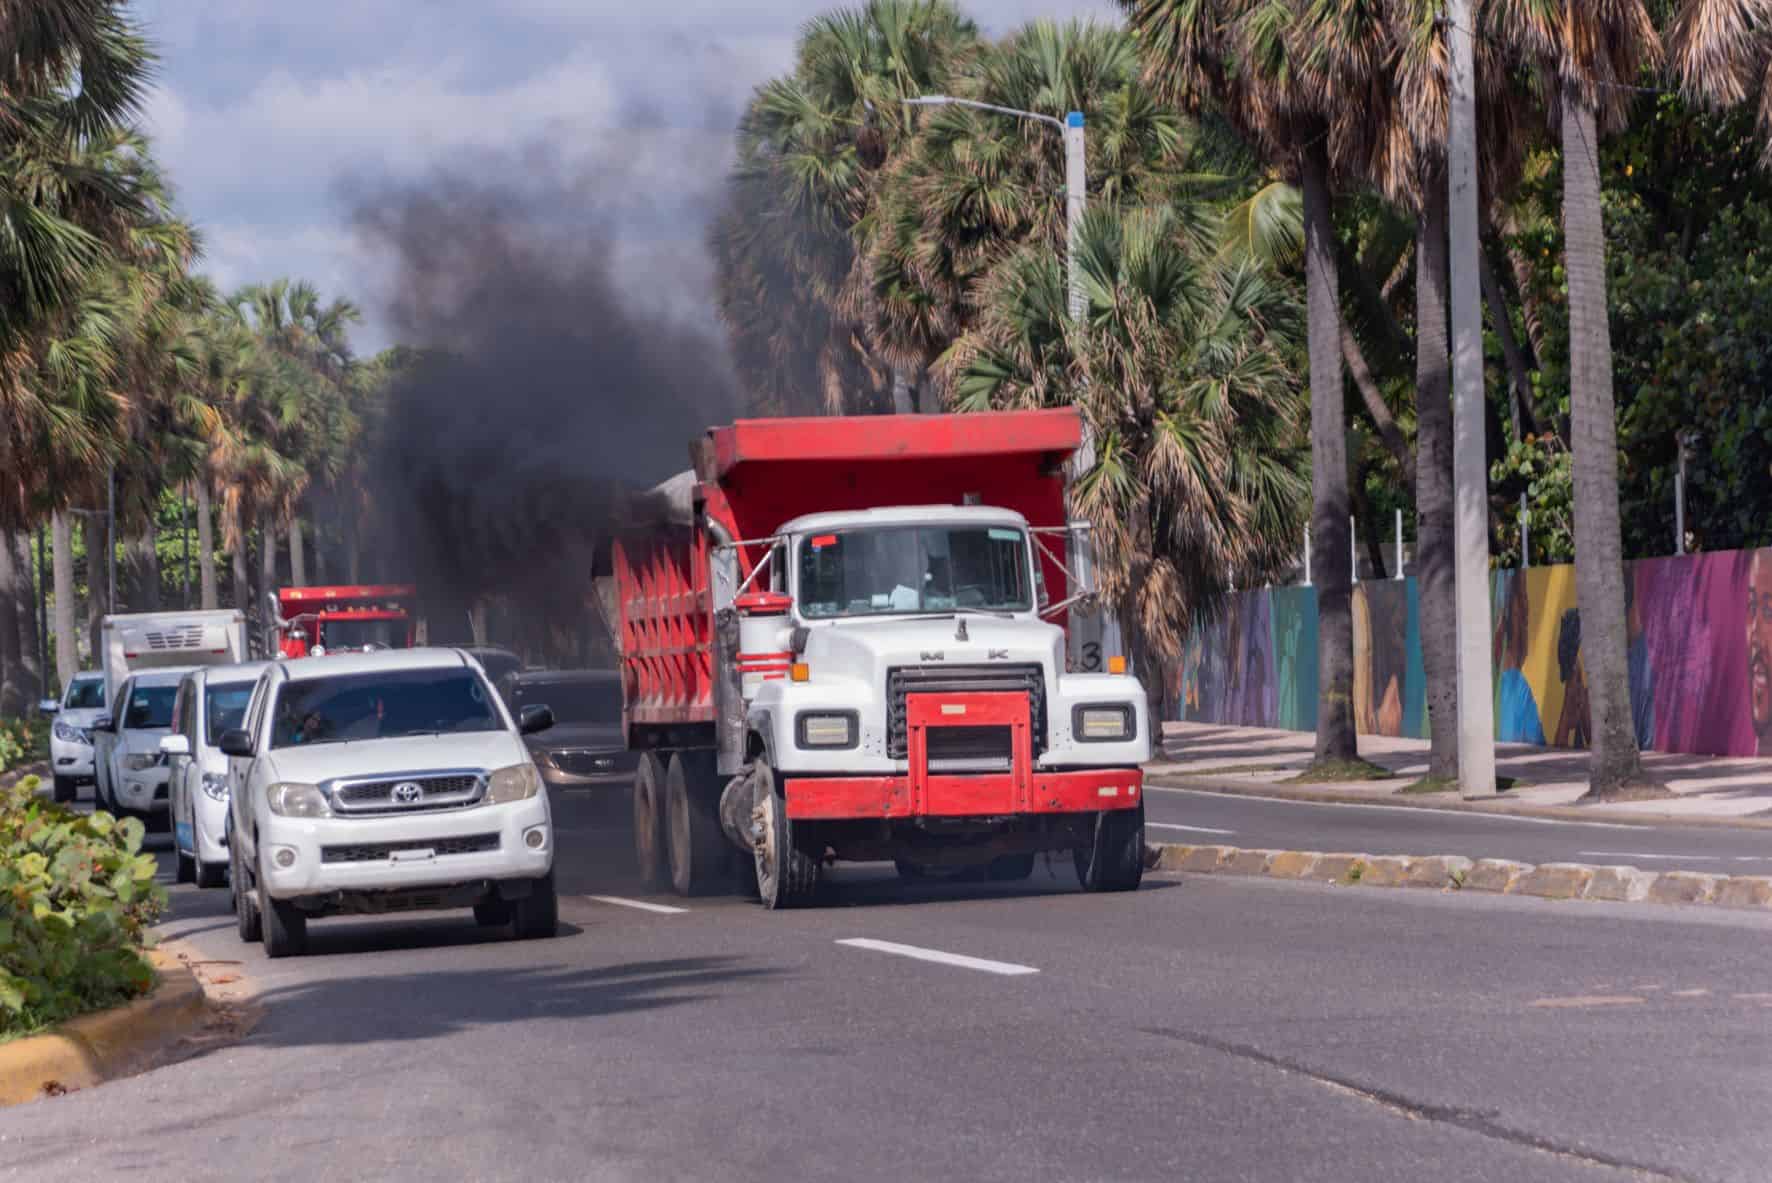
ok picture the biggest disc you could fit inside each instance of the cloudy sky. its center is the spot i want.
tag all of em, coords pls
(276, 117)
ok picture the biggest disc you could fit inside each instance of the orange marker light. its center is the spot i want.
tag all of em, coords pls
(801, 672)
(1116, 665)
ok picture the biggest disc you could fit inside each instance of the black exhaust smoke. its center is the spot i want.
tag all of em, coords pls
(546, 390)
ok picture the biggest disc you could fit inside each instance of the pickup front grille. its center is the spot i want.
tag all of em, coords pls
(960, 679)
(408, 794)
(377, 852)
(582, 763)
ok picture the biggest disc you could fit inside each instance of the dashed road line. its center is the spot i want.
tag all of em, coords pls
(642, 905)
(960, 960)
(1192, 829)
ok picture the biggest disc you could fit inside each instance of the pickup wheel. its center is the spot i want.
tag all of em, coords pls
(493, 911)
(786, 874)
(1114, 861)
(66, 789)
(285, 925)
(537, 915)
(696, 845)
(246, 917)
(649, 823)
(186, 871)
(206, 875)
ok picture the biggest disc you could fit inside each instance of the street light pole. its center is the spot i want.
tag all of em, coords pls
(111, 538)
(1476, 709)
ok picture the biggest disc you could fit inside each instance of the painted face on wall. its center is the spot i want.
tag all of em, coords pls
(1759, 644)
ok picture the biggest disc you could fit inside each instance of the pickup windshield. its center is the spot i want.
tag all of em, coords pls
(85, 694)
(908, 569)
(226, 709)
(149, 707)
(382, 706)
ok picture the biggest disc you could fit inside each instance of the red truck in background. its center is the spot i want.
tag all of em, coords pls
(315, 620)
(837, 646)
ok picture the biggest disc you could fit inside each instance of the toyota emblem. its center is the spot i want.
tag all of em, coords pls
(408, 792)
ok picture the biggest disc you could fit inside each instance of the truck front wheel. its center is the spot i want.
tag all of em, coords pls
(786, 874)
(649, 823)
(696, 845)
(1114, 860)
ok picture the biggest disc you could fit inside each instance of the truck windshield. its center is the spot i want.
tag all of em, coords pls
(382, 706)
(226, 709)
(907, 569)
(358, 634)
(149, 707)
(85, 694)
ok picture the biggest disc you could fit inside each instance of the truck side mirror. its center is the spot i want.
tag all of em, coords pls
(235, 742)
(104, 725)
(174, 745)
(531, 719)
(48, 706)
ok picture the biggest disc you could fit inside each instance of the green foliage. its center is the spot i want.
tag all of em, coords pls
(1538, 467)
(23, 741)
(77, 897)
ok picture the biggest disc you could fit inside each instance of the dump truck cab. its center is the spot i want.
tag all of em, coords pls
(311, 621)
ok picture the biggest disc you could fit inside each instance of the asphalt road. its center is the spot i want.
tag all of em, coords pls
(1192, 816)
(1205, 1028)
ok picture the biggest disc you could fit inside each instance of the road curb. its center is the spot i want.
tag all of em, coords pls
(98, 1047)
(1550, 881)
(1166, 779)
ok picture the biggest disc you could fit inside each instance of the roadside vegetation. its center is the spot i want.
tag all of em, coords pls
(23, 742)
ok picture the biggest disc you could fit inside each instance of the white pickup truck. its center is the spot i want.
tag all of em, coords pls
(382, 782)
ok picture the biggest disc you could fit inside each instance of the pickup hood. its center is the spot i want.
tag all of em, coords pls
(867, 648)
(143, 740)
(488, 750)
(84, 717)
(589, 736)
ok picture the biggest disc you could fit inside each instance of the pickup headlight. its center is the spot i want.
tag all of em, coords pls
(68, 733)
(292, 799)
(826, 729)
(516, 783)
(142, 761)
(1103, 723)
(215, 786)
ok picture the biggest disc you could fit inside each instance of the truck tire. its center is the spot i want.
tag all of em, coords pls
(695, 844)
(206, 875)
(246, 917)
(787, 876)
(1009, 868)
(1114, 861)
(649, 824)
(66, 789)
(285, 925)
(537, 915)
(186, 870)
(493, 911)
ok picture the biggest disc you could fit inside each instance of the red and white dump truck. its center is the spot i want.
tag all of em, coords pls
(840, 648)
(316, 620)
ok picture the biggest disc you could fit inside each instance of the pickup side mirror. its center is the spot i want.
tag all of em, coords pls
(105, 725)
(48, 706)
(532, 719)
(174, 745)
(235, 742)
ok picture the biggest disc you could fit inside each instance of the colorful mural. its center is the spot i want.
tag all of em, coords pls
(1700, 633)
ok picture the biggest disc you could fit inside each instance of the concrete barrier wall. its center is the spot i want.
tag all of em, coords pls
(1700, 657)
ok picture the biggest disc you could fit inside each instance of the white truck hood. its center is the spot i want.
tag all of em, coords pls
(81, 716)
(143, 740)
(485, 750)
(866, 648)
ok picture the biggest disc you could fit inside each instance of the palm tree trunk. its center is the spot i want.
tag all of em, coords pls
(1436, 544)
(206, 544)
(1519, 374)
(30, 667)
(298, 559)
(237, 562)
(267, 565)
(98, 577)
(1599, 562)
(12, 692)
(1336, 739)
(1373, 398)
(143, 554)
(67, 653)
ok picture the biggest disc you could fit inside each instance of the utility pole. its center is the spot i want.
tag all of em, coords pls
(1470, 479)
(111, 538)
(1075, 197)
(43, 577)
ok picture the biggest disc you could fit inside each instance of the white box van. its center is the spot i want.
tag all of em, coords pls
(137, 641)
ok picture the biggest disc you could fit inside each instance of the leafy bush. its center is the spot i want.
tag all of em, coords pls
(77, 896)
(23, 741)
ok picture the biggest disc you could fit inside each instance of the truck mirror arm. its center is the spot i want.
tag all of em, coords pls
(1075, 579)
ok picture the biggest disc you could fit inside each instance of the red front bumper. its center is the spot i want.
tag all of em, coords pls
(921, 793)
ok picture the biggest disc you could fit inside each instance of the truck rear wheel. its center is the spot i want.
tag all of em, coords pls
(1114, 861)
(696, 846)
(649, 823)
(786, 875)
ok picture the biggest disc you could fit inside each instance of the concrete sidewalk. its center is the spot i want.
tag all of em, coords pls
(1257, 760)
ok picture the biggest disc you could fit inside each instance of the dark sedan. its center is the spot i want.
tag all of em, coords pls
(585, 747)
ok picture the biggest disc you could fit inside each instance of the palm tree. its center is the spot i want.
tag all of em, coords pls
(809, 149)
(1181, 369)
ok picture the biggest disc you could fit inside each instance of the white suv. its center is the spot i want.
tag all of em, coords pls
(131, 768)
(70, 739)
(385, 782)
(210, 701)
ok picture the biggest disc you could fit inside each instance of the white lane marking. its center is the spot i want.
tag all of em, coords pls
(642, 905)
(1194, 829)
(916, 953)
(1660, 858)
(1415, 809)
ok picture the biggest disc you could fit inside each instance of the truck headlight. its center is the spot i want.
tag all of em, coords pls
(1106, 723)
(519, 782)
(215, 786)
(142, 761)
(826, 729)
(68, 733)
(293, 799)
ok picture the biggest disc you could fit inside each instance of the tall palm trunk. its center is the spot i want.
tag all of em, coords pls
(61, 539)
(298, 559)
(98, 577)
(30, 664)
(1336, 740)
(238, 530)
(143, 554)
(1436, 547)
(12, 687)
(267, 566)
(1599, 560)
(205, 543)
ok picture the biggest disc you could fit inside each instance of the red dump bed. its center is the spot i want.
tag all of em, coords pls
(758, 474)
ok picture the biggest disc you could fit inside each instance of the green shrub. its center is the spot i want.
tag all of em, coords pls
(77, 897)
(23, 741)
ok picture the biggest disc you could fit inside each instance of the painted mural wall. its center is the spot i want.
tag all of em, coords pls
(1700, 630)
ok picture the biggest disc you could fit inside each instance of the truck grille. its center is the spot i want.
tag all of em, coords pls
(960, 679)
(392, 794)
(376, 852)
(971, 749)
